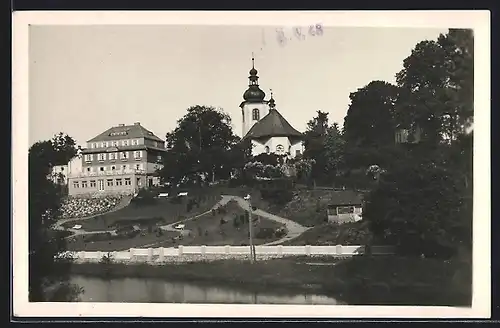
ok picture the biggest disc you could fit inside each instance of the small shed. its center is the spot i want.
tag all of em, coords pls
(345, 206)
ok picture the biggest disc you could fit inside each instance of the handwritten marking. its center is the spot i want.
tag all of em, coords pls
(312, 30)
(298, 33)
(281, 36)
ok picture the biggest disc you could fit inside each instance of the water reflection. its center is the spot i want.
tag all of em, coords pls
(159, 291)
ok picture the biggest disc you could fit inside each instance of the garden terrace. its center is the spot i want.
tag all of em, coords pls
(80, 207)
(227, 225)
(153, 212)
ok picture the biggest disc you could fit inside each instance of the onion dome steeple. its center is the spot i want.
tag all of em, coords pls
(253, 93)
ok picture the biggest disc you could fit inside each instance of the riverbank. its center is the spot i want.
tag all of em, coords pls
(380, 280)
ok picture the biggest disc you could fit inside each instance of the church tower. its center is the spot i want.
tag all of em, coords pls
(254, 107)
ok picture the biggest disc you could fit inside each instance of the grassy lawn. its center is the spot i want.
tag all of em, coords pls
(358, 281)
(162, 211)
(208, 230)
(104, 243)
(356, 233)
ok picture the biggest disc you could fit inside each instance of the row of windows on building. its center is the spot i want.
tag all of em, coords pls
(114, 167)
(109, 183)
(113, 156)
(116, 143)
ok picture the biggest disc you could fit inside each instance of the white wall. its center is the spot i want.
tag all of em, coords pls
(259, 148)
(147, 254)
(247, 110)
(75, 166)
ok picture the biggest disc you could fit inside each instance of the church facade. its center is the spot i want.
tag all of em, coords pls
(268, 131)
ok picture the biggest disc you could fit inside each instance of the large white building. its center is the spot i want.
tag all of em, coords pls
(267, 129)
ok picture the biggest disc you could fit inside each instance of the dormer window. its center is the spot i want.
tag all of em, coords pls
(255, 114)
(119, 133)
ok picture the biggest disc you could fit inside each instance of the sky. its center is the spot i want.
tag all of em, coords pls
(85, 79)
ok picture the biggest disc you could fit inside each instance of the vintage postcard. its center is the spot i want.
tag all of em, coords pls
(251, 164)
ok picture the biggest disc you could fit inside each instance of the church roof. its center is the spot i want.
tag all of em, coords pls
(125, 131)
(272, 125)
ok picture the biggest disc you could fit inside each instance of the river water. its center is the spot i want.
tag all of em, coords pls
(160, 291)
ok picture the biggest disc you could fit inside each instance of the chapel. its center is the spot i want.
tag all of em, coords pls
(268, 131)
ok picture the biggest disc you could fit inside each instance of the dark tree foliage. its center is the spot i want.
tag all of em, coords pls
(202, 143)
(48, 276)
(437, 82)
(423, 205)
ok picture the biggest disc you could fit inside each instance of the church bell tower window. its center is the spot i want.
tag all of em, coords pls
(255, 114)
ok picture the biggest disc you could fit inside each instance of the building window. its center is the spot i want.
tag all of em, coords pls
(297, 152)
(95, 144)
(345, 210)
(280, 149)
(137, 166)
(92, 184)
(113, 168)
(124, 155)
(138, 154)
(118, 182)
(124, 167)
(124, 142)
(110, 182)
(112, 156)
(255, 114)
(135, 142)
(127, 182)
(267, 150)
(101, 169)
(75, 184)
(101, 157)
(87, 158)
(114, 143)
(102, 144)
(84, 184)
(88, 169)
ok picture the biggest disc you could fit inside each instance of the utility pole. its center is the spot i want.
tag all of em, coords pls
(253, 256)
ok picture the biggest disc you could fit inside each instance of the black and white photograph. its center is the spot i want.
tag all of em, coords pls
(265, 163)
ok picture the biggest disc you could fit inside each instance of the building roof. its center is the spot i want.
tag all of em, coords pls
(272, 125)
(345, 197)
(125, 131)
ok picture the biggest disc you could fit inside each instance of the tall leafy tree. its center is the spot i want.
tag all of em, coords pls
(369, 125)
(334, 147)
(423, 202)
(369, 120)
(48, 267)
(437, 87)
(200, 144)
(317, 129)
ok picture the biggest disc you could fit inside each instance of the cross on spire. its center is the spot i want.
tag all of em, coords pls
(253, 60)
